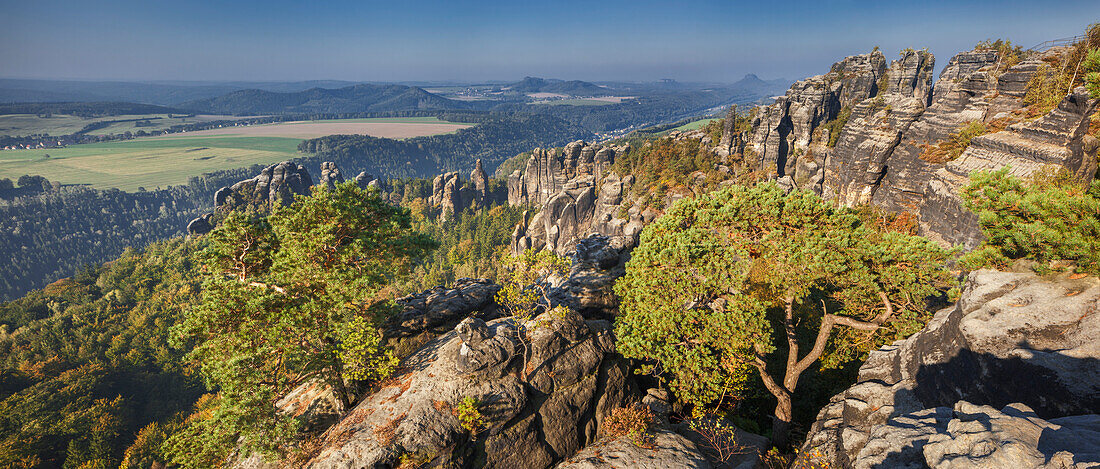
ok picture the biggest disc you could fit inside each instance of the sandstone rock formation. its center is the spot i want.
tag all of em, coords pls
(972, 436)
(549, 171)
(894, 114)
(577, 195)
(451, 194)
(330, 175)
(598, 261)
(536, 411)
(276, 184)
(201, 225)
(431, 313)
(1013, 339)
(1057, 139)
(480, 180)
(365, 180)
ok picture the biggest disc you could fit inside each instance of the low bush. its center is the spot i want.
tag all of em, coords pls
(1051, 216)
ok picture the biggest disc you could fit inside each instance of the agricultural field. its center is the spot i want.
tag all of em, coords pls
(387, 127)
(694, 124)
(22, 125)
(145, 162)
(171, 159)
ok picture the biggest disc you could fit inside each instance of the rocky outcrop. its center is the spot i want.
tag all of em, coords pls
(538, 407)
(894, 115)
(431, 313)
(972, 436)
(1013, 339)
(330, 175)
(451, 194)
(576, 194)
(201, 225)
(365, 180)
(1054, 140)
(548, 172)
(276, 184)
(598, 261)
(480, 181)
(783, 132)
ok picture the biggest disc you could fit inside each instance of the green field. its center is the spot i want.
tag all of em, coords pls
(145, 162)
(694, 125)
(21, 125)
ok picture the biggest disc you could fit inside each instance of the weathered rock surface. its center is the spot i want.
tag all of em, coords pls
(895, 115)
(1012, 338)
(441, 306)
(451, 194)
(480, 181)
(549, 171)
(667, 449)
(972, 436)
(365, 180)
(577, 195)
(201, 225)
(1055, 140)
(276, 184)
(598, 261)
(330, 174)
(671, 445)
(537, 411)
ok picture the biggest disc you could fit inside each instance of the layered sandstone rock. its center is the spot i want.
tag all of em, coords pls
(330, 175)
(1055, 140)
(576, 194)
(1013, 339)
(536, 410)
(894, 115)
(276, 184)
(451, 194)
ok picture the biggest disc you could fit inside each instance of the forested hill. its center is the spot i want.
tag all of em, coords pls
(86, 109)
(51, 231)
(357, 98)
(492, 141)
(572, 87)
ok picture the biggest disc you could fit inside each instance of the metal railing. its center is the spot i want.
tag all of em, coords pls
(1047, 45)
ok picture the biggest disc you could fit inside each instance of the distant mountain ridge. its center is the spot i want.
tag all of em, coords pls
(355, 98)
(572, 87)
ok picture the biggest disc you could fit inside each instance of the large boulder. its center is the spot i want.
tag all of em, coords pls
(1012, 339)
(434, 312)
(543, 386)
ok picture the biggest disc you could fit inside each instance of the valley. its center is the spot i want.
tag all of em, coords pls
(646, 263)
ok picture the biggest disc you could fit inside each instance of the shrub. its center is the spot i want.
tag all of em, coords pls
(835, 125)
(469, 414)
(1051, 217)
(955, 144)
(633, 422)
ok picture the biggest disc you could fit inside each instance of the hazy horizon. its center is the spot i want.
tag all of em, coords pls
(469, 42)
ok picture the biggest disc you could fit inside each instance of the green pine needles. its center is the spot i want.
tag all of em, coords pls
(290, 298)
(752, 281)
(1052, 216)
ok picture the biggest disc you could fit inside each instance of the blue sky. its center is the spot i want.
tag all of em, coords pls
(409, 40)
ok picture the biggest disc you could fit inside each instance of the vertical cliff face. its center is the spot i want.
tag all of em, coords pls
(549, 171)
(784, 132)
(887, 117)
(576, 195)
(451, 194)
